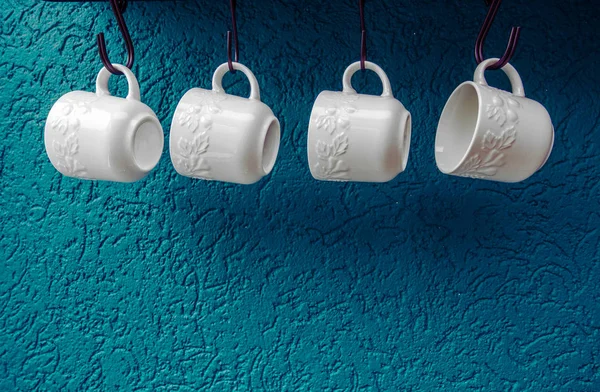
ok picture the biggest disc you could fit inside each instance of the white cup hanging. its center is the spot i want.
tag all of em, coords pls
(219, 136)
(358, 137)
(223, 137)
(98, 136)
(492, 134)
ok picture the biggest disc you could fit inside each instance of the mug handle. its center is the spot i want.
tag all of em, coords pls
(132, 83)
(217, 86)
(509, 70)
(351, 70)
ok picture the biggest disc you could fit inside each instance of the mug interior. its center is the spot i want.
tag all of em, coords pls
(457, 127)
(270, 146)
(147, 145)
(405, 145)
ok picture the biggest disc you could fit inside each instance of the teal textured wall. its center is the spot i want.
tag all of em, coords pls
(426, 283)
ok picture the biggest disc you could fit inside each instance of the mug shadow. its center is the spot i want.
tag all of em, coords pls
(328, 221)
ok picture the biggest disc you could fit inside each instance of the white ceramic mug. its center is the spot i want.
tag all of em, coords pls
(492, 134)
(358, 137)
(218, 136)
(97, 136)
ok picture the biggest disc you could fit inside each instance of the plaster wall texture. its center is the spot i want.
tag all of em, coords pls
(426, 283)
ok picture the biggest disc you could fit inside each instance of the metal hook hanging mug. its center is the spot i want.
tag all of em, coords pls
(492, 134)
(358, 137)
(97, 136)
(218, 136)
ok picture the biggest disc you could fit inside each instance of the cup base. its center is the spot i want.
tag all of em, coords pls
(147, 145)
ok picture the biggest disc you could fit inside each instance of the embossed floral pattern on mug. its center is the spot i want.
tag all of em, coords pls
(336, 122)
(336, 116)
(64, 122)
(504, 111)
(197, 116)
(330, 165)
(190, 159)
(487, 163)
(503, 108)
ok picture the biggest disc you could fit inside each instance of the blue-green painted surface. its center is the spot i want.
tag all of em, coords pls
(426, 283)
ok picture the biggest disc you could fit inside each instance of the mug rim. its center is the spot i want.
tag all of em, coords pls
(272, 132)
(466, 152)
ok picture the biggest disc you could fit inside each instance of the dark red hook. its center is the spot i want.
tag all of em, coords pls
(118, 6)
(485, 29)
(363, 35)
(233, 6)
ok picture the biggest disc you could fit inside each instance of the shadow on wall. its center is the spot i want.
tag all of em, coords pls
(366, 219)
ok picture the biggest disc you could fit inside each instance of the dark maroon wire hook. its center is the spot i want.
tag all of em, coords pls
(485, 29)
(118, 6)
(363, 35)
(233, 6)
(122, 5)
